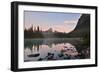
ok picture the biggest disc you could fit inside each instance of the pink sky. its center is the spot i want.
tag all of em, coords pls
(61, 22)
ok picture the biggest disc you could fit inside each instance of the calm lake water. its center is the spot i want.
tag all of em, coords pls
(53, 49)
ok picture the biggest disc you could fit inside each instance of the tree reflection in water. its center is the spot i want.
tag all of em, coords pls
(53, 49)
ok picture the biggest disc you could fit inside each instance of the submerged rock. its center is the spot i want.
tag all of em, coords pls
(33, 55)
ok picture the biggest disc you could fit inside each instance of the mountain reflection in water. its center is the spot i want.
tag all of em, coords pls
(51, 49)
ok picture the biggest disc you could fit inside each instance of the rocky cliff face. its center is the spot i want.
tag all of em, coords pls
(83, 26)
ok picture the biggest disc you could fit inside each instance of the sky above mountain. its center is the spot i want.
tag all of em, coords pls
(62, 22)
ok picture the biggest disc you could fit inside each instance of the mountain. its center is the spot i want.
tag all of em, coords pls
(83, 26)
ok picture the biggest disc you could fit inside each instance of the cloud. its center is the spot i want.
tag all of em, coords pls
(63, 28)
(70, 22)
